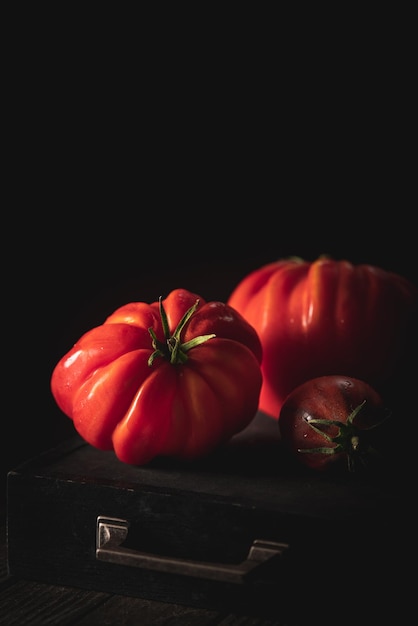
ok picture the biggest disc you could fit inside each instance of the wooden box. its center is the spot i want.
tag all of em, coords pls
(246, 530)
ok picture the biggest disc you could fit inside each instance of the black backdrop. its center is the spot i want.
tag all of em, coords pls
(90, 262)
(120, 197)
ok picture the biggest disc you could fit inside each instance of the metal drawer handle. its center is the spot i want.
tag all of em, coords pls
(112, 532)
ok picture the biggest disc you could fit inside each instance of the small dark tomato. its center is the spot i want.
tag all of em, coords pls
(331, 419)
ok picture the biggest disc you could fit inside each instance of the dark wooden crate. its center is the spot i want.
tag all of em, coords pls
(208, 511)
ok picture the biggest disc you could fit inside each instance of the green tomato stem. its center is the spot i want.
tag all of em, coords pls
(172, 349)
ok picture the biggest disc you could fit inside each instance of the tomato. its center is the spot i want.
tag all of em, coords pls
(322, 317)
(330, 419)
(171, 378)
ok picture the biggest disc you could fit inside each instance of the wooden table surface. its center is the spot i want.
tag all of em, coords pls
(380, 587)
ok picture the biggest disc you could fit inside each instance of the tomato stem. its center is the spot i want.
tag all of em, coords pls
(172, 349)
(348, 439)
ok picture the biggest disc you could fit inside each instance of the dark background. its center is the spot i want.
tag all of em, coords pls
(95, 262)
(124, 182)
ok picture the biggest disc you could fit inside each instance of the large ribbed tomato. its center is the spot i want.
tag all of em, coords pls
(173, 378)
(325, 317)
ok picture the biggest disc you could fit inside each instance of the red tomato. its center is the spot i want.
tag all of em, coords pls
(331, 419)
(328, 316)
(172, 378)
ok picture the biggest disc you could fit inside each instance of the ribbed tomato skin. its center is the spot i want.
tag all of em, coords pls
(122, 398)
(325, 317)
